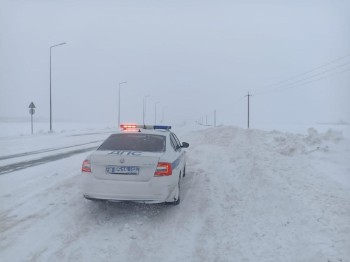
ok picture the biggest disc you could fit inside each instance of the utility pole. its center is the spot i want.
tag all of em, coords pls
(248, 107)
(214, 118)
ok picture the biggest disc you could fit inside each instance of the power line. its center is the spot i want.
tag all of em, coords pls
(298, 81)
(280, 83)
(302, 83)
(239, 99)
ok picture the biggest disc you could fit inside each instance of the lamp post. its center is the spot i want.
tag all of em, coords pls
(163, 109)
(50, 85)
(119, 101)
(155, 112)
(144, 108)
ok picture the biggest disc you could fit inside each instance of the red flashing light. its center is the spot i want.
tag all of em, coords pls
(128, 126)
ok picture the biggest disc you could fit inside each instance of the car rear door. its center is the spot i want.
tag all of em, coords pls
(180, 153)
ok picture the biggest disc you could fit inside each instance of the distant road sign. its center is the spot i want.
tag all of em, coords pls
(31, 112)
(32, 106)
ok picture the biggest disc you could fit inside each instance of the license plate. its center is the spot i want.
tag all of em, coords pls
(123, 170)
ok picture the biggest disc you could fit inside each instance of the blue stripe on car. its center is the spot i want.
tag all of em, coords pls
(176, 162)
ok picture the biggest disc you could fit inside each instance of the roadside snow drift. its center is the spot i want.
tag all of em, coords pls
(248, 195)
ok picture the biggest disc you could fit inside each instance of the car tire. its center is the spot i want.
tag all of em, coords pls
(177, 201)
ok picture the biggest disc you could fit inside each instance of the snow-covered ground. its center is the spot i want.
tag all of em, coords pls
(248, 195)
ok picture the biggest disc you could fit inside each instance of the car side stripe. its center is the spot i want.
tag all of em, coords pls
(176, 162)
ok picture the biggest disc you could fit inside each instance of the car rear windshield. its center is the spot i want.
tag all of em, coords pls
(134, 142)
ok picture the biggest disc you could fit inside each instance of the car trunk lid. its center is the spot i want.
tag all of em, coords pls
(124, 165)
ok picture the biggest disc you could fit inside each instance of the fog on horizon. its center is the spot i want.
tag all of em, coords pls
(185, 58)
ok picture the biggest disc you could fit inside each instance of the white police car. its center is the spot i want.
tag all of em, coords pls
(141, 163)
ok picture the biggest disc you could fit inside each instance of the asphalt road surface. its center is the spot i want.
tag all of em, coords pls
(34, 162)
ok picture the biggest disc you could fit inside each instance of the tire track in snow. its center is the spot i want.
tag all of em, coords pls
(215, 209)
(208, 160)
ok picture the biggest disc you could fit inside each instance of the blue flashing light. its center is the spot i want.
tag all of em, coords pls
(162, 127)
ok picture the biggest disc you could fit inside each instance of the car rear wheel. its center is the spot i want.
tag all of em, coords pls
(177, 201)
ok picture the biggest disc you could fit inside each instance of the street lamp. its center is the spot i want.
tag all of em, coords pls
(155, 112)
(50, 86)
(163, 109)
(119, 102)
(144, 108)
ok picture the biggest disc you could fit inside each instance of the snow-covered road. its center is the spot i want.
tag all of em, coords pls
(248, 195)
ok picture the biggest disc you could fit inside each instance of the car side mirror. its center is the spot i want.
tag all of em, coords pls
(185, 145)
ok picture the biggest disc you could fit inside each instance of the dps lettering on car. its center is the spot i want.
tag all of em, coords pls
(126, 153)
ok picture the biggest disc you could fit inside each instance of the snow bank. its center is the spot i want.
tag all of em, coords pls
(291, 144)
(248, 195)
(272, 196)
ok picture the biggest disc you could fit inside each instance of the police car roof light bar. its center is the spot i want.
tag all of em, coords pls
(133, 126)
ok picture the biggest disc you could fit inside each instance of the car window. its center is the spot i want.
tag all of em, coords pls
(177, 140)
(174, 142)
(134, 142)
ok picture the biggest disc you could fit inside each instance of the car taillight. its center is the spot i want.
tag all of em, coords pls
(86, 166)
(163, 169)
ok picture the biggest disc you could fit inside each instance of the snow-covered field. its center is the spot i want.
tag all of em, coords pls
(248, 195)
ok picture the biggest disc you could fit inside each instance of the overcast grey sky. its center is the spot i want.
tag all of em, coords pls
(191, 56)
